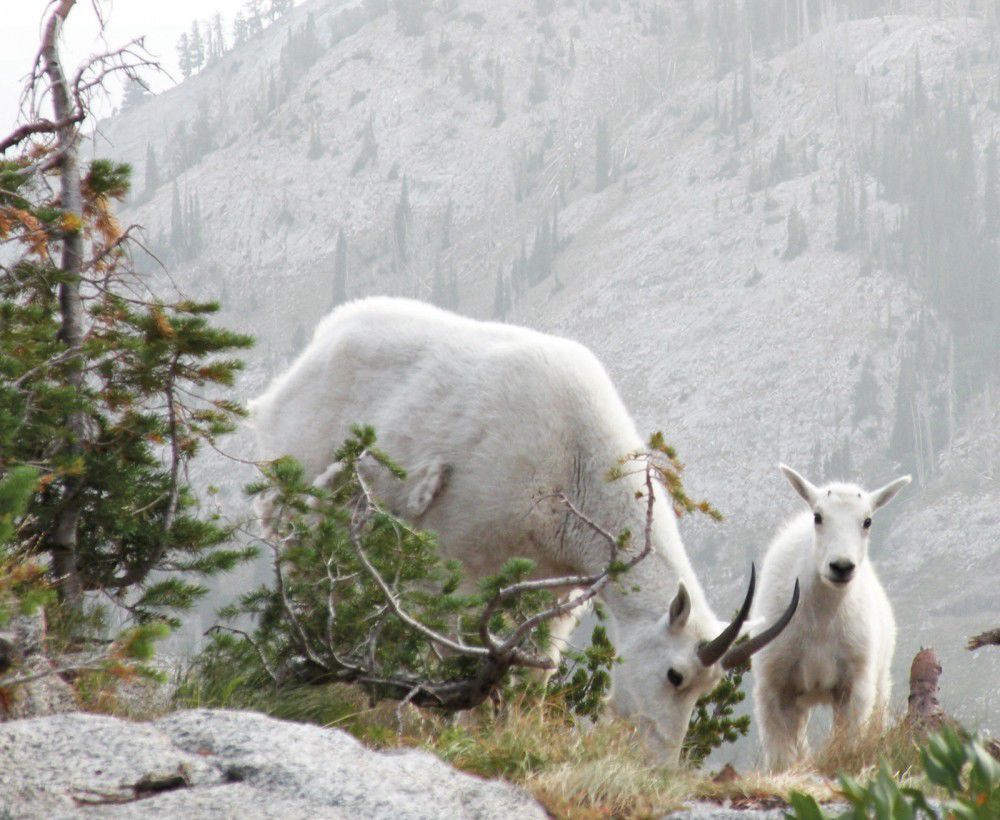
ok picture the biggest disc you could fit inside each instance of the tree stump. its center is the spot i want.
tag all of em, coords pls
(924, 713)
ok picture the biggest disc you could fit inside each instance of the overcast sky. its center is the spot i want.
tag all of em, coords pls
(161, 23)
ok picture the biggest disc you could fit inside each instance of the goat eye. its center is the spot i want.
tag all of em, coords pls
(818, 519)
(675, 677)
(867, 524)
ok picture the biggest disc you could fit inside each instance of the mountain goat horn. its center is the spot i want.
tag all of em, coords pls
(717, 647)
(740, 654)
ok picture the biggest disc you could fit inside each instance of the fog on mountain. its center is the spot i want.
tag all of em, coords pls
(776, 224)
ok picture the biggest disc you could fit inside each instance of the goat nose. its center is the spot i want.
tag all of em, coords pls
(842, 569)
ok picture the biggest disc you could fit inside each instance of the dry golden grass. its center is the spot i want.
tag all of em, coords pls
(862, 754)
(597, 771)
(575, 771)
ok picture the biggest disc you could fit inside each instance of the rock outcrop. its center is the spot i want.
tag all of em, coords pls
(217, 763)
(22, 649)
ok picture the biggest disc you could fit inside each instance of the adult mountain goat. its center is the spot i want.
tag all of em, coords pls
(487, 418)
(839, 648)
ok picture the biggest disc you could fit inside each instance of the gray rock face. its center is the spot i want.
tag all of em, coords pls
(215, 763)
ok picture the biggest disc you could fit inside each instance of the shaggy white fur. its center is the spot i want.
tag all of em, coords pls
(838, 648)
(487, 418)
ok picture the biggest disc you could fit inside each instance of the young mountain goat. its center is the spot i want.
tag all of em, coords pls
(488, 419)
(839, 647)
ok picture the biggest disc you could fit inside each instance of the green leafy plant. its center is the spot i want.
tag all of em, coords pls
(964, 777)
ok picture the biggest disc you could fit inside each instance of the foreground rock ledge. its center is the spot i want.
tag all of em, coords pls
(220, 763)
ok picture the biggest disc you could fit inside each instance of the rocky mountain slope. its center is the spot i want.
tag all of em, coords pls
(697, 198)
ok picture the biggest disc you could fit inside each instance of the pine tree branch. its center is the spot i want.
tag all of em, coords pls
(249, 639)
(89, 664)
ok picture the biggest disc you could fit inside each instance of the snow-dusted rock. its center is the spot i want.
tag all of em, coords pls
(214, 763)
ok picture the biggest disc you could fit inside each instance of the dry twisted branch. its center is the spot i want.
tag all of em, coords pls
(496, 656)
(988, 638)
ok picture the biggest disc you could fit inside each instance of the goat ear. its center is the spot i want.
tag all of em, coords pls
(680, 608)
(883, 496)
(802, 486)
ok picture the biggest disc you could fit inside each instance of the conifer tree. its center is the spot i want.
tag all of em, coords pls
(240, 29)
(254, 10)
(845, 228)
(180, 149)
(540, 261)
(298, 339)
(410, 16)
(135, 94)
(152, 171)
(866, 401)
(798, 237)
(746, 89)
(209, 44)
(499, 114)
(991, 190)
(196, 47)
(271, 101)
(539, 90)
(602, 165)
(218, 38)
(278, 8)
(919, 93)
(452, 287)
(202, 134)
(340, 270)
(439, 294)
(466, 80)
(401, 221)
(501, 297)
(521, 266)
(97, 383)
(184, 61)
(194, 223)
(428, 57)
(177, 237)
(446, 226)
(315, 149)
(369, 147)
(861, 232)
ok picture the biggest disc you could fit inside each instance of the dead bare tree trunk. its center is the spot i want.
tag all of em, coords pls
(63, 540)
(988, 638)
(924, 712)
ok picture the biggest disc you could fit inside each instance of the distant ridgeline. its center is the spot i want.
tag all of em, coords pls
(917, 189)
